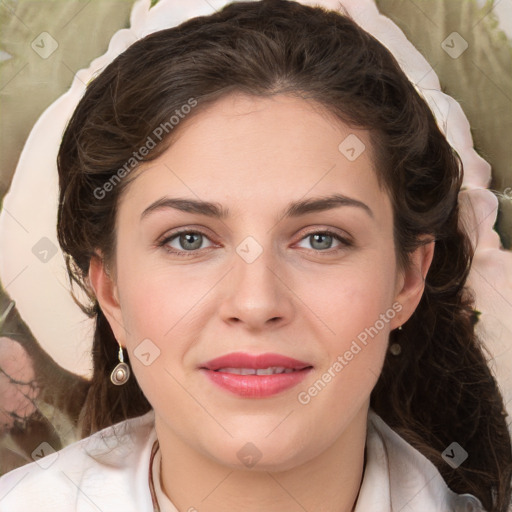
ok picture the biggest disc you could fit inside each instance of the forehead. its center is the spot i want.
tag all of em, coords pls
(246, 149)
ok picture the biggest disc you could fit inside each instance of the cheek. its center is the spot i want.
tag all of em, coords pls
(156, 313)
(353, 357)
(355, 308)
(157, 299)
(164, 309)
(350, 298)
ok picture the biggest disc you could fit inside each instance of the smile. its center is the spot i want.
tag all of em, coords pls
(255, 376)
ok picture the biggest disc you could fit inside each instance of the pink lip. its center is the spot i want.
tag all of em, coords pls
(255, 386)
(243, 360)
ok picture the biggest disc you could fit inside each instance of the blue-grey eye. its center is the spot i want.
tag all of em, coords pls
(190, 241)
(321, 241)
(187, 241)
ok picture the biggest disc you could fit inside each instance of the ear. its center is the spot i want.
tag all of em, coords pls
(106, 292)
(411, 282)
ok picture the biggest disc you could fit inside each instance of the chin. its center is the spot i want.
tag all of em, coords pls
(273, 463)
(281, 453)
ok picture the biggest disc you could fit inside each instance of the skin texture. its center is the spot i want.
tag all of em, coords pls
(301, 298)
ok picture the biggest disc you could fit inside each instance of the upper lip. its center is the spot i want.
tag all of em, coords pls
(254, 361)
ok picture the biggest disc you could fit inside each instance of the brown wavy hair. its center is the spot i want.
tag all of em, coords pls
(440, 388)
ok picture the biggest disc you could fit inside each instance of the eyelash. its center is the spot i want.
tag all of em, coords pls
(163, 243)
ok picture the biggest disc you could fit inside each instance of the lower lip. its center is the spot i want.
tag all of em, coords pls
(256, 386)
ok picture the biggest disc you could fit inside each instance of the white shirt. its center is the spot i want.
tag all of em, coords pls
(110, 472)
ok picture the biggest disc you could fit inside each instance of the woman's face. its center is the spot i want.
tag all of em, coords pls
(264, 278)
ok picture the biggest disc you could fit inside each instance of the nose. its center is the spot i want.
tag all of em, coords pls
(258, 292)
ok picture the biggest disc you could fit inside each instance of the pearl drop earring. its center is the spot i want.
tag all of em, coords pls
(121, 373)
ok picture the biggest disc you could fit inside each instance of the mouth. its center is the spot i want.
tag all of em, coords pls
(255, 376)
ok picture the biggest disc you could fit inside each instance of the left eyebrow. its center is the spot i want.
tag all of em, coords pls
(294, 209)
(318, 204)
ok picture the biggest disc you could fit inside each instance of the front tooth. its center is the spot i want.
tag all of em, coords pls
(238, 371)
(265, 371)
(248, 371)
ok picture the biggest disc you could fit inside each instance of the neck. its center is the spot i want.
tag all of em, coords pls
(329, 482)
